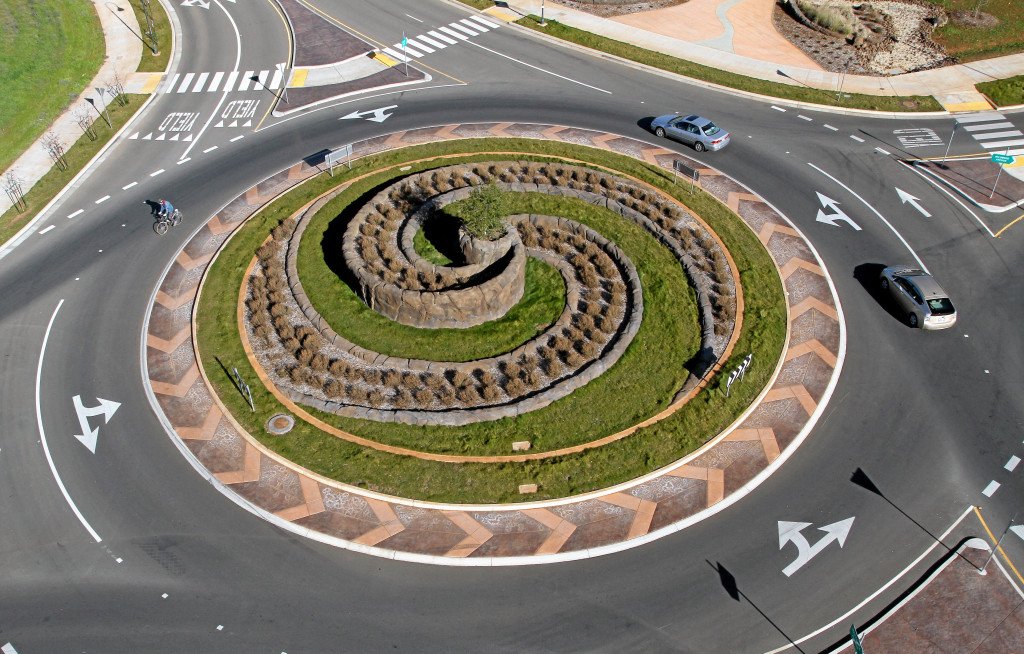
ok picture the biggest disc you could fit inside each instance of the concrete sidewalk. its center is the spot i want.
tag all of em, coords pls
(740, 38)
(123, 54)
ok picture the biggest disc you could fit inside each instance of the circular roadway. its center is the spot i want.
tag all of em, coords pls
(160, 561)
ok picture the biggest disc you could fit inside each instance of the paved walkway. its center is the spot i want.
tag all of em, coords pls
(753, 38)
(600, 522)
(123, 54)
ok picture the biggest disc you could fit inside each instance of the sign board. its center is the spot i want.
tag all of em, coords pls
(691, 173)
(858, 648)
(341, 154)
(1002, 158)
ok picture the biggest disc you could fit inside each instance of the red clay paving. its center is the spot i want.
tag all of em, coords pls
(394, 525)
(318, 41)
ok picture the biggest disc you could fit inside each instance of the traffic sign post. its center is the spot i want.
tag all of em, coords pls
(858, 647)
(341, 154)
(680, 168)
(405, 52)
(1002, 160)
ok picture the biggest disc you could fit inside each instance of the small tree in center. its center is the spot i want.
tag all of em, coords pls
(482, 212)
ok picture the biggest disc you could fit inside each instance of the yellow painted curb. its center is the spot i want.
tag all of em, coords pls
(298, 79)
(502, 14)
(384, 59)
(977, 105)
(152, 82)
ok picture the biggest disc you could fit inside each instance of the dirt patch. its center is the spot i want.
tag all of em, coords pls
(610, 8)
(971, 19)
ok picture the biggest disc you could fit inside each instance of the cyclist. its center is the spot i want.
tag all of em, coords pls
(166, 209)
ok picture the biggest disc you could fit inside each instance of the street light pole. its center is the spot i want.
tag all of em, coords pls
(955, 126)
(542, 23)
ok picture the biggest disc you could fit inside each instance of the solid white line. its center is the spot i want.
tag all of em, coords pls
(988, 126)
(200, 82)
(568, 79)
(1011, 465)
(47, 229)
(451, 32)
(880, 216)
(485, 22)
(872, 596)
(883, 150)
(103, 199)
(215, 82)
(827, 126)
(980, 118)
(414, 18)
(240, 136)
(992, 487)
(803, 117)
(998, 135)
(1002, 144)
(778, 109)
(185, 82)
(156, 172)
(856, 138)
(42, 434)
(951, 196)
(72, 215)
(128, 186)
(442, 37)
(210, 149)
(437, 44)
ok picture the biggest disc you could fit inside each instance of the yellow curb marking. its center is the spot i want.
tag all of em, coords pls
(152, 82)
(502, 14)
(386, 60)
(298, 79)
(1006, 558)
(977, 105)
(1009, 225)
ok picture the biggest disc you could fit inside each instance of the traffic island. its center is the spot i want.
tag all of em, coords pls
(619, 487)
(987, 184)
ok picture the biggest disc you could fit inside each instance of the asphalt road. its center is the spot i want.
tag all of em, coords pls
(930, 417)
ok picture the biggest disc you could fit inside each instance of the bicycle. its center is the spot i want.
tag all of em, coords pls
(165, 222)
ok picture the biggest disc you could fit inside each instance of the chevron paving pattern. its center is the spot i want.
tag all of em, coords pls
(353, 515)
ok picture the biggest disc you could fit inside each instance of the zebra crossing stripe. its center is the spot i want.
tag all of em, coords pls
(261, 80)
(486, 23)
(1002, 144)
(394, 55)
(246, 80)
(232, 76)
(420, 46)
(185, 82)
(442, 37)
(215, 82)
(987, 126)
(437, 44)
(170, 85)
(472, 25)
(200, 82)
(462, 28)
(275, 82)
(998, 135)
(408, 49)
(451, 32)
(980, 118)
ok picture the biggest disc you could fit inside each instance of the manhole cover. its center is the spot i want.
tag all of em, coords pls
(280, 424)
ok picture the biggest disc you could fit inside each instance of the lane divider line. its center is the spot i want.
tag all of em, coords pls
(991, 489)
(76, 213)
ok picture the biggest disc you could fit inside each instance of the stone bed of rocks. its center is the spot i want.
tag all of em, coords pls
(313, 365)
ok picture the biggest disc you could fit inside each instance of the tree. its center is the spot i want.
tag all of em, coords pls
(55, 148)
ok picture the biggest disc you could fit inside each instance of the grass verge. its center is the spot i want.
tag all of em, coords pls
(970, 40)
(49, 51)
(78, 155)
(763, 332)
(1004, 92)
(154, 62)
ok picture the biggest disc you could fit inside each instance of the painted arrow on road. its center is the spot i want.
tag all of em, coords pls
(790, 532)
(837, 213)
(204, 4)
(105, 408)
(914, 202)
(375, 115)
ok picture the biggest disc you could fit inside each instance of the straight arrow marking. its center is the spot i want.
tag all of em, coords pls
(914, 202)
(105, 408)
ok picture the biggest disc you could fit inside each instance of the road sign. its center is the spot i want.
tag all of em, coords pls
(1002, 158)
(858, 647)
(341, 154)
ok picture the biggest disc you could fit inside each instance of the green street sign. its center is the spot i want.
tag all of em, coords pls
(1002, 158)
(857, 647)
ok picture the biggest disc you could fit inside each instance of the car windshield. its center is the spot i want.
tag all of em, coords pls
(940, 306)
(711, 129)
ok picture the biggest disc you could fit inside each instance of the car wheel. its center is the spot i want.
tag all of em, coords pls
(912, 320)
(699, 147)
(660, 132)
(884, 284)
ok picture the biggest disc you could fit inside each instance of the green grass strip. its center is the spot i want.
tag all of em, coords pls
(153, 62)
(78, 155)
(1004, 92)
(763, 333)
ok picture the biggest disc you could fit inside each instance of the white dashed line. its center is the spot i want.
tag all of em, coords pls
(220, 627)
(803, 117)
(414, 18)
(72, 215)
(834, 129)
(778, 109)
(186, 159)
(119, 560)
(210, 149)
(128, 186)
(154, 174)
(992, 487)
(240, 136)
(165, 596)
(47, 229)
(8, 649)
(103, 199)
(1011, 465)
(883, 150)
(856, 138)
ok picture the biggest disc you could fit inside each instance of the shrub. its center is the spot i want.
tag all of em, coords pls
(298, 374)
(375, 397)
(319, 362)
(510, 368)
(491, 392)
(553, 365)
(461, 379)
(532, 378)
(357, 393)
(515, 387)
(291, 344)
(304, 355)
(446, 396)
(372, 376)
(266, 252)
(257, 303)
(467, 395)
(340, 368)
(485, 376)
(391, 378)
(278, 310)
(433, 382)
(483, 212)
(574, 359)
(587, 348)
(402, 399)
(264, 332)
(424, 397)
(334, 388)
(832, 17)
(410, 381)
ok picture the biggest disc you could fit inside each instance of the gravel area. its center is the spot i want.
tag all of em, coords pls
(609, 8)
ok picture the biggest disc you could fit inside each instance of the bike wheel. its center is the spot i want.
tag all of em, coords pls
(160, 227)
(176, 219)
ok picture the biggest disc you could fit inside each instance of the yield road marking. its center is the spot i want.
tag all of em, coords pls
(105, 408)
(990, 490)
(906, 197)
(1011, 465)
(837, 213)
(790, 532)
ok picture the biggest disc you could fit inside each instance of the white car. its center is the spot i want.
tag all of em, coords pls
(920, 296)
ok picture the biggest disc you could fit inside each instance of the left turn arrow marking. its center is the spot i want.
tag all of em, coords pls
(88, 435)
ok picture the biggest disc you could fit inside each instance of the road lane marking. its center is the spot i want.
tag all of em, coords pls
(79, 212)
(103, 199)
(413, 51)
(856, 138)
(156, 172)
(467, 30)
(170, 85)
(484, 22)
(803, 117)
(128, 186)
(1009, 225)
(210, 149)
(999, 548)
(451, 32)
(883, 150)
(988, 126)
(185, 82)
(990, 490)
(433, 42)
(200, 82)
(568, 79)
(42, 433)
(420, 46)
(275, 82)
(47, 229)
(827, 126)
(1003, 144)
(951, 196)
(215, 82)
(997, 135)
(414, 18)
(880, 216)
(230, 83)
(442, 37)
(1011, 465)
(240, 136)
(778, 109)
(187, 159)
(8, 649)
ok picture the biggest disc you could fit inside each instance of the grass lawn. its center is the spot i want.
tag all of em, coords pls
(78, 155)
(154, 63)
(763, 332)
(969, 43)
(1005, 92)
(49, 51)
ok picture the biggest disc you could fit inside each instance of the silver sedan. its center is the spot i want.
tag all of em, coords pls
(693, 130)
(920, 296)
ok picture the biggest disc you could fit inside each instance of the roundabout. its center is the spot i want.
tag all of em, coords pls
(773, 409)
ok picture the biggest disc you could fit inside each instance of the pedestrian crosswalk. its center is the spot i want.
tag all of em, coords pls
(439, 39)
(993, 132)
(224, 81)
